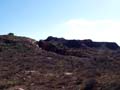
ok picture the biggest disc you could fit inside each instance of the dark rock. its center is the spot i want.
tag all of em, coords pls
(55, 39)
(112, 46)
(74, 47)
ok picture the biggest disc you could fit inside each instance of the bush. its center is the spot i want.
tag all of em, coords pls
(11, 34)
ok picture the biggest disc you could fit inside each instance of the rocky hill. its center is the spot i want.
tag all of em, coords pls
(58, 64)
(79, 48)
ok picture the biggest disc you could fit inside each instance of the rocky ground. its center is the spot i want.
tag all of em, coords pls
(58, 64)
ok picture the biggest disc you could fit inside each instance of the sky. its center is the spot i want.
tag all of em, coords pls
(98, 20)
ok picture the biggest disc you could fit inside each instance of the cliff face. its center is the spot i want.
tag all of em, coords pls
(82, 43)
(58, 64)
(76, 47)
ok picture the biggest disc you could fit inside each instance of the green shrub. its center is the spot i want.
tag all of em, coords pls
(11, 34)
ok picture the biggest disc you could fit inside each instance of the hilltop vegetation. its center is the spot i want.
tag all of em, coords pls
(58, 64)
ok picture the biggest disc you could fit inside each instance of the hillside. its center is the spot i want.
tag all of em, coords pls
(58, 64)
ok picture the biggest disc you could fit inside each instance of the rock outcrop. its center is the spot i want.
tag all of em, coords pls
(75, 47)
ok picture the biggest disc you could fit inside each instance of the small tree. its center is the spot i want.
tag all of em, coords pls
(11, 34)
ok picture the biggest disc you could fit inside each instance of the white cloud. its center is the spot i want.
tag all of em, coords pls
(98, 30)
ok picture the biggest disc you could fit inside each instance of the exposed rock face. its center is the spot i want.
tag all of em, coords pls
(51, 47)
(50, 38)
(82, 43)
(112, 46)
(74, 47)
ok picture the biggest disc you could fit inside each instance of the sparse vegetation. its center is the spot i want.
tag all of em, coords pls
(24, 65)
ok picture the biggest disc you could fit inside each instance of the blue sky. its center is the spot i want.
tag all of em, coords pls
(73, 19)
